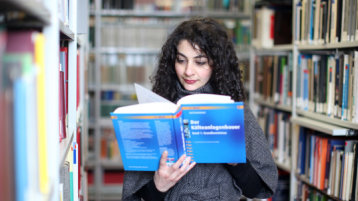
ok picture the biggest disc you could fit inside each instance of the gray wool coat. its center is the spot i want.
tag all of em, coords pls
(209, 182)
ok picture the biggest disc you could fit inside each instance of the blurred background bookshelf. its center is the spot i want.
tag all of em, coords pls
(300, 97)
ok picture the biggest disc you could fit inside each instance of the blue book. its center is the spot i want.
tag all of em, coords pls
(207, 127)
(345, 88)
(20, 65)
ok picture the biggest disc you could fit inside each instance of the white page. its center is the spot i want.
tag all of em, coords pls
(147, 108)
(145, 95)
(205, 98)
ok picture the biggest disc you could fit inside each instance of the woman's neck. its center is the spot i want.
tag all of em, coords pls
(206, 89)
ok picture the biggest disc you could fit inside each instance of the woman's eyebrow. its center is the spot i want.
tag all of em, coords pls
(201, 56)
(181, 54)
(198, 56)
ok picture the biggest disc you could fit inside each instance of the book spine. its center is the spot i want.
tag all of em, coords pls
(345, 89)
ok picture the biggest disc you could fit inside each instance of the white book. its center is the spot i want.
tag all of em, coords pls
(333, 38)
(355, 89)
(267, 18)
(344, 22)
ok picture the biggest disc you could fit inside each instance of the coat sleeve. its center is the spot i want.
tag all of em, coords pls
(133, 182)
(259, 155)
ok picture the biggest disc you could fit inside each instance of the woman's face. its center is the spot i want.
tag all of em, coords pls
(192, 66)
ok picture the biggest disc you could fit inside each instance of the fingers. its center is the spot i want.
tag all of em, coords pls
(167, 176)
(163, 159)
(179, 162)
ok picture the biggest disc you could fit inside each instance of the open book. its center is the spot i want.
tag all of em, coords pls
(207, 127)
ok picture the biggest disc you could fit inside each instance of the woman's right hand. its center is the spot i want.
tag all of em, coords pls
(167, 176)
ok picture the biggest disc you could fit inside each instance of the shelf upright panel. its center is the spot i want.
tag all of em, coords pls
(72, 67)
(294, 134)
(52, 36)
(97, 99)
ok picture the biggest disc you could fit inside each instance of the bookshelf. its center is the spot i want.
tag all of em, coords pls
(126, 38)
(315, 107)
(33, 32)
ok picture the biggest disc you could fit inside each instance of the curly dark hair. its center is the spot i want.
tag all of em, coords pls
(212, 39)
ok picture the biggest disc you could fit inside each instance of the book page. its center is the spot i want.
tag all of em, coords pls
(147, 96)
(205, 98)
(147, 108)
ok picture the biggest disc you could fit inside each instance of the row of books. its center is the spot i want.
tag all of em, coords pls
(187, 5)
(109, 145)
(70, 172)
(133, 36)
(63, 89)
(124, 69)
(151, 33)
(272, 26)
(274, 78)
(329, 164)
(306, 192)
(328, 84)
(323, 21)
(23, 140)
(277, 129)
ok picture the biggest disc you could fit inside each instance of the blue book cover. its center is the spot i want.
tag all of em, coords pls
(208, 132)
(345, 88)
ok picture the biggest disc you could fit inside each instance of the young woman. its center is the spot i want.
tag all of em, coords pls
(198, 57)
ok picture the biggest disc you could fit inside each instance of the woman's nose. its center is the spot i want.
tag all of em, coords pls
(189, 69)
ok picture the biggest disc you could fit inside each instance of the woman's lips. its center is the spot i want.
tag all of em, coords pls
(189, 81)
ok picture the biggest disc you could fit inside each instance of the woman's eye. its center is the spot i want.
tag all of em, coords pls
(180, 60)
(201, 63)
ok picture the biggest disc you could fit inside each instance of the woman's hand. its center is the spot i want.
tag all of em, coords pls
(167, 176)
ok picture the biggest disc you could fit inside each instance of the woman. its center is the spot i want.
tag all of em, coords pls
(198, 57)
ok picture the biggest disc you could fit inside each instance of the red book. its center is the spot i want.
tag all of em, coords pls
(62, 112)
(78, 139)
(64, 53)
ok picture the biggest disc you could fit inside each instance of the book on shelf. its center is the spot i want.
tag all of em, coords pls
(322, 21)
(24, 61)
(6, 124)
(62, 107)
(263, 35)
(207, 127)
(329, 164)
(326, 84)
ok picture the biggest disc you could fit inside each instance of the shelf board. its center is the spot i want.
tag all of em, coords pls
(106, 122)
(283, 166)
(65, 145)
(119, 102)
(328, 120)
(270, 104)
(66, 33)
(275, 50)
(107, 164)
(170, 14)
(129, 50)
(106, 191)
(307, 182)
(351, 44)
(33, 12)
(321, 126)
